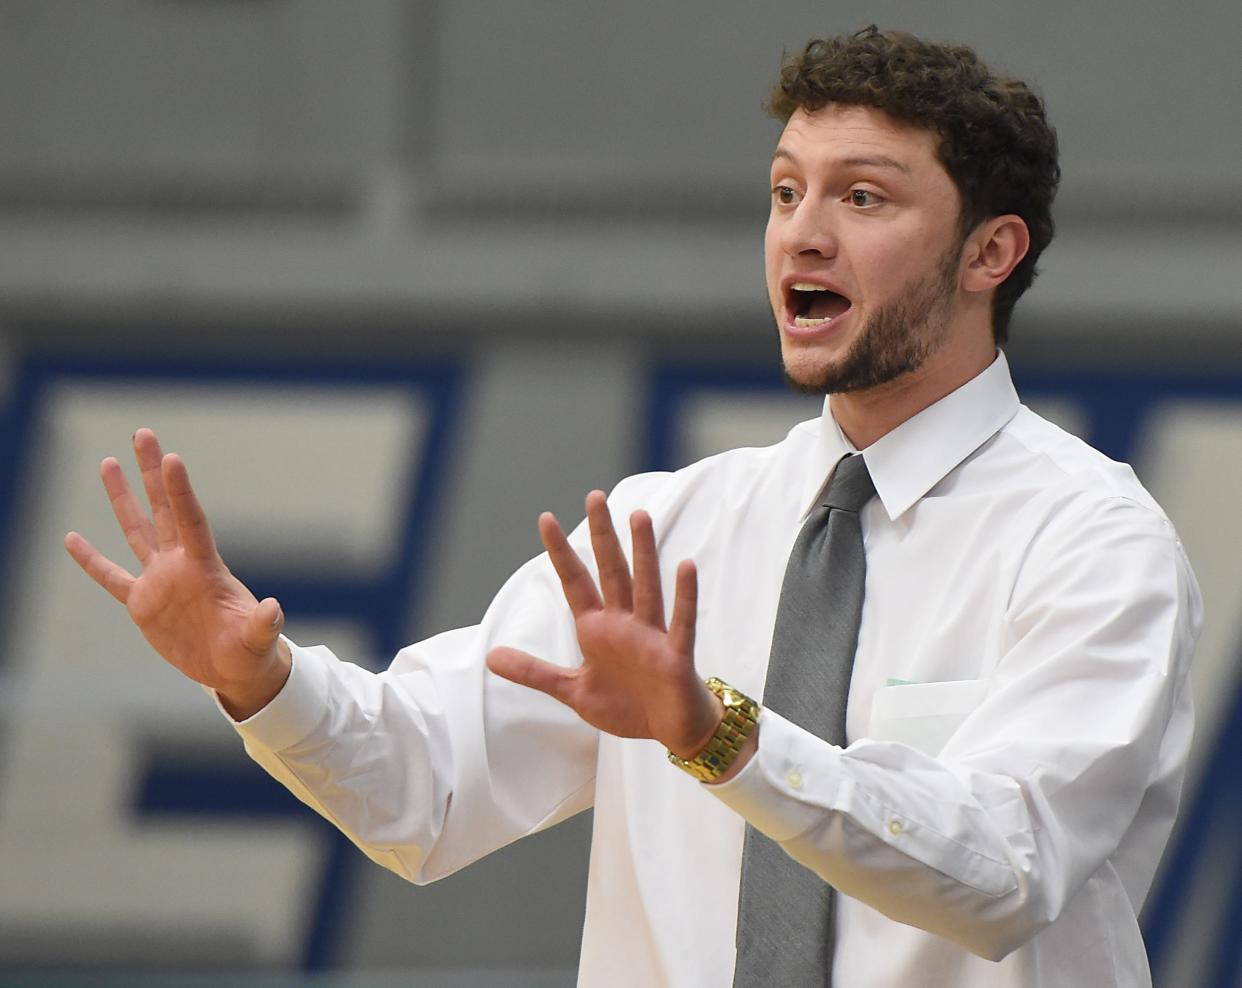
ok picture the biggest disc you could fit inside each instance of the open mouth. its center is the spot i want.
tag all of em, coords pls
(814, 305)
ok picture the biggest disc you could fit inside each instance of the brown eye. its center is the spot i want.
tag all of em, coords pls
(785, 195)
(861, 197)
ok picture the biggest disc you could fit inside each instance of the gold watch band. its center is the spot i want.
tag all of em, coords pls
(740, 717)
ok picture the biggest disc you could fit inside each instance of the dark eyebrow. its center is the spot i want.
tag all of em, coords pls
(860, 161)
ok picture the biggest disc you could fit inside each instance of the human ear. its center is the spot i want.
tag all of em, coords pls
(994, 250)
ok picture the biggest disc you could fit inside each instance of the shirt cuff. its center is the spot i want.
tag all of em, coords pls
(293, 713)
(787, 784)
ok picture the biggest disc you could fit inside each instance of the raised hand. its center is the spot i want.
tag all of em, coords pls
(187, 604)
(638, 678)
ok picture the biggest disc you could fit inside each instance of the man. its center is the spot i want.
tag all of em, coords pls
(989, 806)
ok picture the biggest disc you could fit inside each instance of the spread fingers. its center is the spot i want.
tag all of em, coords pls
(139, 532)
(648, 594)
(614, 569)
(576, 582)
(193, 530)
(99, 567)
(685, 609)
(150, 458)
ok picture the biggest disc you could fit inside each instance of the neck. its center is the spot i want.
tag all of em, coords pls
(868, 415)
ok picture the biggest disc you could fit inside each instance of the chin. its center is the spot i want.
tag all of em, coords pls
(807, 373)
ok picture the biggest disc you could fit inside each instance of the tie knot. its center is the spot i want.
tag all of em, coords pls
(851, 486)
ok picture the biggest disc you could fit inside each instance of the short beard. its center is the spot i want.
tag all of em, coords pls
(896, 340)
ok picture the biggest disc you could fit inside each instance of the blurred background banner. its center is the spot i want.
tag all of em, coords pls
(397, 275)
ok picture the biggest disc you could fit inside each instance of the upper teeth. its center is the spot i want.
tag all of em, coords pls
(806, 286)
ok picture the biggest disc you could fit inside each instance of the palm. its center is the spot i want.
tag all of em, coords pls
(637, 678)
(622, 657)
(187, 604)
(193, 613)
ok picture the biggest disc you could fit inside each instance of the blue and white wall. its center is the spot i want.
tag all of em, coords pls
(397, 275)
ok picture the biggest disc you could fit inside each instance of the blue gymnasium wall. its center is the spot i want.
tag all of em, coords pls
(174, 786)
(215, 786)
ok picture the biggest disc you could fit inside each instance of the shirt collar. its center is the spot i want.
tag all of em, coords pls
(909, 461)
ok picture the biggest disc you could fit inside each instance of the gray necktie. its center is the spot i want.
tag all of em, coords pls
(785, 911)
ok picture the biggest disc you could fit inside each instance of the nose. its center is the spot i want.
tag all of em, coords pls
(808, 229)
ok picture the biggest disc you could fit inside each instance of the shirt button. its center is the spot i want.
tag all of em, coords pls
(895, 828)
(794, 779)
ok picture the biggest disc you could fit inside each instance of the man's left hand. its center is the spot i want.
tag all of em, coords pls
(637, 679)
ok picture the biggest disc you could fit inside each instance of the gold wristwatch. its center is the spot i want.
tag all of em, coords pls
(740, 717)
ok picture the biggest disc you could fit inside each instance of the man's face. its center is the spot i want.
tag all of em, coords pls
(862, 248)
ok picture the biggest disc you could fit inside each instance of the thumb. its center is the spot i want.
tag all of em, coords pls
(263, 626)
(524, 669)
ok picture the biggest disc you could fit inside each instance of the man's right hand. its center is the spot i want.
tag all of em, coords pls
(187, 604)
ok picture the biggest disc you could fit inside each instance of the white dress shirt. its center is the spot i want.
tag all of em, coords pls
(1018, 721)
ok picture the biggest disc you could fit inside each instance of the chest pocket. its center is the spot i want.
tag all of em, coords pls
(923, 715)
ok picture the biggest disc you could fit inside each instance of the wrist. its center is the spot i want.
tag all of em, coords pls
(732, 741)
(711, 716)
(245, 699)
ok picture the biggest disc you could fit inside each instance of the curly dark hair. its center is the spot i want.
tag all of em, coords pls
(995, 139)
